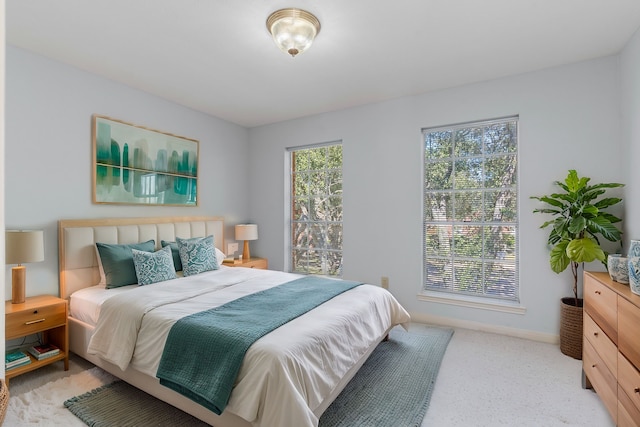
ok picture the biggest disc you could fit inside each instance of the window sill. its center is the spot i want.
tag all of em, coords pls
(471, 302)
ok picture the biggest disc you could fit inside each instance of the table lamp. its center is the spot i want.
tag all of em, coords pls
(246, 232)
(22, 246)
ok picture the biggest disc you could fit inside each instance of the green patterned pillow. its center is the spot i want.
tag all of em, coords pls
(153, 267)
(176, 254)
(197, 255)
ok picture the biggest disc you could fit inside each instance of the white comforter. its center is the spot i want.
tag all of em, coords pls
(286, 374)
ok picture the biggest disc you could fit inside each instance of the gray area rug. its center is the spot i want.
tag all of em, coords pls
(393, 388)
(120, 404)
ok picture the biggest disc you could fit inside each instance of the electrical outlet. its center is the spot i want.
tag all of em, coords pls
(232, 248)
(384, 282)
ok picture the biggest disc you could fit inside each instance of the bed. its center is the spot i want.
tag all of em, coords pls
(289, 376)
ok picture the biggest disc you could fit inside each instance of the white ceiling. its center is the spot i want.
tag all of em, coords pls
(217, 56)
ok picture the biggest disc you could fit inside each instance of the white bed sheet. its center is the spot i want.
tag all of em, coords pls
(286, 374)
(85, 304)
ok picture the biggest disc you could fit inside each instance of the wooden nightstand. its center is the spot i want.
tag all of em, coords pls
(43, 313)
(261, 263)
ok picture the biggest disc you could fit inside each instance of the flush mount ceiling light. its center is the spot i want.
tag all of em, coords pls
(293, 30)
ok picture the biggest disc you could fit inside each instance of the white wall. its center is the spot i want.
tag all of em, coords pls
(630, 89)
(48, 153)
(569, 118)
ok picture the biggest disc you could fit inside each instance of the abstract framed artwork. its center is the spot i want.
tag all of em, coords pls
(136, 165)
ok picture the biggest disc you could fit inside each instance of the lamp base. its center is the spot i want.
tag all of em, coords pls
(246, 255)
(18, 277)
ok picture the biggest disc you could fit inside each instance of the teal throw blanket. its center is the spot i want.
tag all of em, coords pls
(203, 353)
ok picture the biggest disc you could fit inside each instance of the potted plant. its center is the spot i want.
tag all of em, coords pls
(580, 219)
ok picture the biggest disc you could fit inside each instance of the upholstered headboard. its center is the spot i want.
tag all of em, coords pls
(77, 238)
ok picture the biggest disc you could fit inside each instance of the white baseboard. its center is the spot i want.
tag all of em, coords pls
(483, 327)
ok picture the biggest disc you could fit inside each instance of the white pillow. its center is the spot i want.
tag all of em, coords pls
(220, 256)
(103, 279)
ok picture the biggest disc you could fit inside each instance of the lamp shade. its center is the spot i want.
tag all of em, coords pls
(22, 246)
(247, 232)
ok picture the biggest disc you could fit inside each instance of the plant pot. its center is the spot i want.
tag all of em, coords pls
(571, 327)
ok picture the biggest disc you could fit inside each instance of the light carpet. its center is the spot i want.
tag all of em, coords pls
(43, 406)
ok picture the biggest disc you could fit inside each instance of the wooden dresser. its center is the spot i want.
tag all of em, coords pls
(611, 346)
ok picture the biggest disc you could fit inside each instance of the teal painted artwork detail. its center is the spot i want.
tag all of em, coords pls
(135, 165)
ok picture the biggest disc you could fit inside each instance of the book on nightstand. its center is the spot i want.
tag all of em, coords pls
(15, 359)
(43, 351)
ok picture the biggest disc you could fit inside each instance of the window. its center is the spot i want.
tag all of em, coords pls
(316, 210)
(470, 209)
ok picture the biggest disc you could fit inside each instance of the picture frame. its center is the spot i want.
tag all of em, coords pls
(141, 166)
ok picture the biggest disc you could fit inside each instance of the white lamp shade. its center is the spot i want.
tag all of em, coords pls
(22, 246)
(247, 232)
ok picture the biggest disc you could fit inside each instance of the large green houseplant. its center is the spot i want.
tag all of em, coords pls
(580, 220)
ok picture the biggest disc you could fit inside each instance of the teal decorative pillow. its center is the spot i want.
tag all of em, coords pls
(153, 267)
(117, 262)
(197, 255)
(174, 252)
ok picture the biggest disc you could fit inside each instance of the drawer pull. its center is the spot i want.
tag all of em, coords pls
(637, 389)
(34, 321)
(598, 292)
(595, 334)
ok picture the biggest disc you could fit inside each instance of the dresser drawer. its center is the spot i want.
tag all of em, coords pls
(30, 321)
(628, 336)
(601, 303)
(629, 384)
(601, 378)
(606, 349)
(628, 414)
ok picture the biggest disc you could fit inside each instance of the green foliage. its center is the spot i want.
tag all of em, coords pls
(470, 209)
(316, 179)
(579, 221)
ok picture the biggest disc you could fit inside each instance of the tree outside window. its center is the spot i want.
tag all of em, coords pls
(470, 209)
(316, 210)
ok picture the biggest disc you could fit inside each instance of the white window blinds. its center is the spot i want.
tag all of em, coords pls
(470, 209)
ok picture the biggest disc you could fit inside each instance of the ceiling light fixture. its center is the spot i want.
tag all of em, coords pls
(293, 30)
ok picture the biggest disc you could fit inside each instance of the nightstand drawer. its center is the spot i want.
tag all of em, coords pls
(261, 263)
(36, 319)
(256, 263)
(42, 313)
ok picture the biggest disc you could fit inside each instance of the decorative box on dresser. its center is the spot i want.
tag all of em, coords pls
(611, 346)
